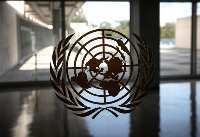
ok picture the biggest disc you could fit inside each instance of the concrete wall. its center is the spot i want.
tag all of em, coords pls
(183, 33)
(19, 38)
(8, 37)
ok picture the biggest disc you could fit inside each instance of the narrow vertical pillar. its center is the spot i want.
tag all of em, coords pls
(56, 26)
(65, 116)
(193, 39)
(144, 21)
(63, 18)
(63, 35)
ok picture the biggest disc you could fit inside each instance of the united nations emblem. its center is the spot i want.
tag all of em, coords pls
(98, 72)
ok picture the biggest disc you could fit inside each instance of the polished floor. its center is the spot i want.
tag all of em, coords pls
(174, 111)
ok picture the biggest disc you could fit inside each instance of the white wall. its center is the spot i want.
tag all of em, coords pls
(183, 33)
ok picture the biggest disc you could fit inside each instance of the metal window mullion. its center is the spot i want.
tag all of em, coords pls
(193, 39)
(63, 35)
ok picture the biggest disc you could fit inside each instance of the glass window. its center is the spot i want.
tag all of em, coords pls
(175, 38)
(37, 28)
(107, 15)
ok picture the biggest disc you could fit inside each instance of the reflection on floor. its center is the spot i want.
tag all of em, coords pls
(174, 111)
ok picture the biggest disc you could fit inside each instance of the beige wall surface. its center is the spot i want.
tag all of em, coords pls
(198, 32)
(183, 33)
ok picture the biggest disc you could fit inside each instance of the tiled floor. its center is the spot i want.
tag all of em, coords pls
(174, 111)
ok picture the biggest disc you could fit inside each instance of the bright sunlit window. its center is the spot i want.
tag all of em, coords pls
(98, 12)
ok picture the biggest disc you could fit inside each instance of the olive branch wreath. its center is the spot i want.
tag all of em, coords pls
(76, 106)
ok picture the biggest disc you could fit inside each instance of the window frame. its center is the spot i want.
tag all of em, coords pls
(193, 57)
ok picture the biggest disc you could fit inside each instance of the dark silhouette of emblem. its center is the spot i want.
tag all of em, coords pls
(105, 73)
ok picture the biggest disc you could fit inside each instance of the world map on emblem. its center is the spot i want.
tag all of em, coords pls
(101, 70)
(89, 73)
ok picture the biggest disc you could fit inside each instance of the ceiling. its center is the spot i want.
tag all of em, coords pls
(43, 9)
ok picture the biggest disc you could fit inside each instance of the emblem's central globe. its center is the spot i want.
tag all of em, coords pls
(103, 67)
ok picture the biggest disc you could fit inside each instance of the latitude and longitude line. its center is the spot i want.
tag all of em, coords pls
(86, 67)
(85, 48)
(104, 92)
(104, 54)
(103, 41)
(89, 82)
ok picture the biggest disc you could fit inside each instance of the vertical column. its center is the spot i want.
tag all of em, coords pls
(56, 26)
(64, 61)
(63, 35)
(193, 39)
(144, 21)
(63, 18)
